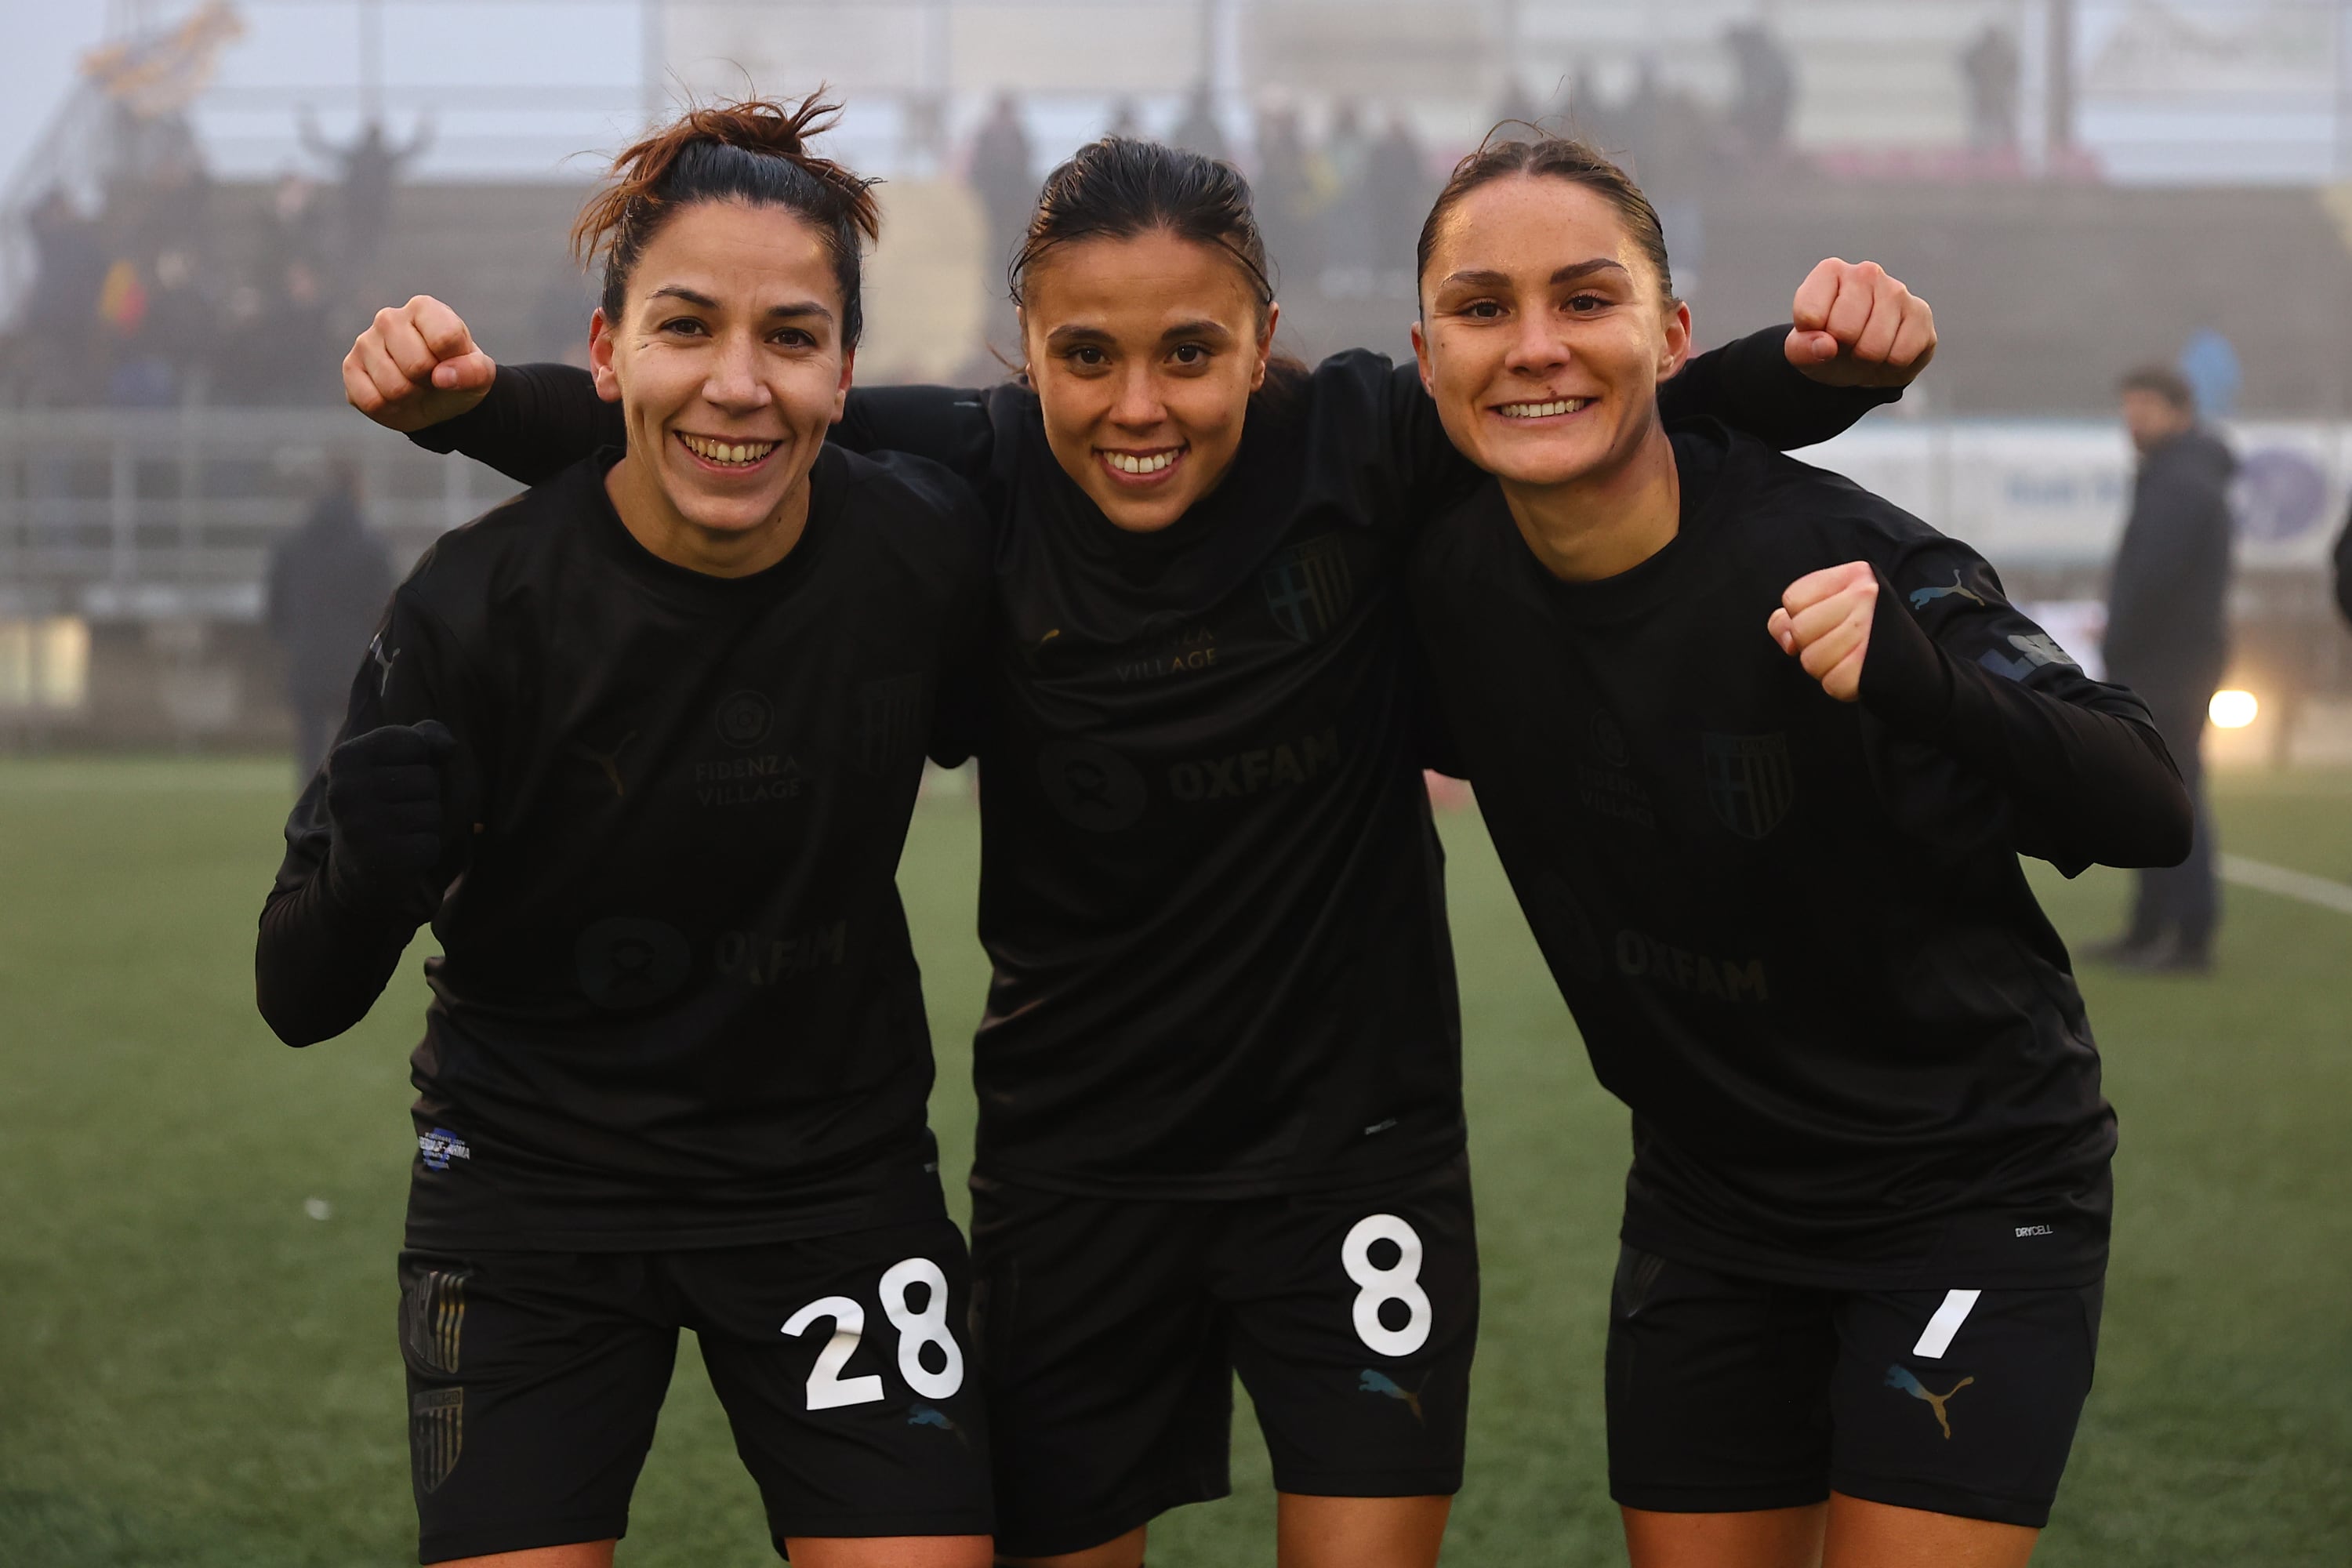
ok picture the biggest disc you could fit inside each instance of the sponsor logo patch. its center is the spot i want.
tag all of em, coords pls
(1092, 786)
(624, 963)
(440, 1146)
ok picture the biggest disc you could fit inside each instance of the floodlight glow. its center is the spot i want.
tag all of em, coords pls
(2232, 710)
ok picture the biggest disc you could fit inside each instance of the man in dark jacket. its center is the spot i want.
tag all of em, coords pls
(2168, 640)
(2344, 571)
(329, 582)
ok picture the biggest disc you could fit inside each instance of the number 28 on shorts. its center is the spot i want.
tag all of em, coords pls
(918, 1329)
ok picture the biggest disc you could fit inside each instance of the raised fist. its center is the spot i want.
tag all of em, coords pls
(1823, 623)
(1858, 327)
(383, 805)
(417, 366)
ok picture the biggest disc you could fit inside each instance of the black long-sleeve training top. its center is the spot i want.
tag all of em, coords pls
(1793, 930)
(1210, 888)
(678, 1005)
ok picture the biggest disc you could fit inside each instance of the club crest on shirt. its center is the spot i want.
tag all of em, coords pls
(1309, 588)
(1750, 781)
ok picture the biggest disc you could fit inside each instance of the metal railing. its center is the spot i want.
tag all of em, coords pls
(153, 514)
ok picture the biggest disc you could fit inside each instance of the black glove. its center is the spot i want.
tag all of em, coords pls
(383, 803)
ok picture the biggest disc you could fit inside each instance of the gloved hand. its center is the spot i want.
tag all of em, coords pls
(384, 804)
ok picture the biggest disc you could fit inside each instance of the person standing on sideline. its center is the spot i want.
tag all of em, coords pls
(329, 581)
(2344, 571)
(2168, 640)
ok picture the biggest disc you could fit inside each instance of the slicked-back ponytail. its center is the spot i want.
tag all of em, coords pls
(1120, 188)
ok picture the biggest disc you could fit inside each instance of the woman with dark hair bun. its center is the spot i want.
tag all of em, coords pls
(1219, 1074)
(641, 744)
(1760, 752)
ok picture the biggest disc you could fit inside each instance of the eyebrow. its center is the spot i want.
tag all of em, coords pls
(1064, 336)
(796, 307)
(1483, 279)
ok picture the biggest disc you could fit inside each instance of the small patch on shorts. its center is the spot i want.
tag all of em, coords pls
(437, 1435)
(436, 1320)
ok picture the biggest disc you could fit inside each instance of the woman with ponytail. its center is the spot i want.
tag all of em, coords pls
(1858, 1289)
(641, 745)
(1220, 1082)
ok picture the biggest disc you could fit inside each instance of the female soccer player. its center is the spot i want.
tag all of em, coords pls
(1760, 752)
(1220, 1088)
(642, 743)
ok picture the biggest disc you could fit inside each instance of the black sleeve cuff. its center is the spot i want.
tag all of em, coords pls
(1907, 679)
(1761, 360)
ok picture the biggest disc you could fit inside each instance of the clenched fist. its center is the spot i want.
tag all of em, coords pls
(383, 809)
(1823, 623)
(1858, 327)
(417, 366)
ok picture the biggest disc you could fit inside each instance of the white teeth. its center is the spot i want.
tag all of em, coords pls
(728, 451)
(1128, 463)
(1542, 410)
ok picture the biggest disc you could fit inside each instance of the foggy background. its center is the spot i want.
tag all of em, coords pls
(203, 201)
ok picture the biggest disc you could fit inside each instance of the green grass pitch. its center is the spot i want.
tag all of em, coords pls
(193, 1370)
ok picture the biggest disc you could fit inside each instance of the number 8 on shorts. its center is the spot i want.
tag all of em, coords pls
(1400, 1281)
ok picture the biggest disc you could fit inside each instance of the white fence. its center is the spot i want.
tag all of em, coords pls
(161, 514)
(2037, 495)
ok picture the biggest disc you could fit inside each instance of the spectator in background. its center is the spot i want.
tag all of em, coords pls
(2168, 640)
(1198, 131)
(371, 170)
(1765, 99)
(293, 232)
(1003, 179)
(1397, 194)
(1348, 239)
(329, 582)
(2344, 571)
(1286, 193)
(60, 318)
(1990, 66)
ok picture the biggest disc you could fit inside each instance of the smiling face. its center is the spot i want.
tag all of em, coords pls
(1545, 331)
(729, 366)
(1144, 353)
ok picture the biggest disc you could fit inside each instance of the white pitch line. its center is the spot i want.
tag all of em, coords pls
(2269, 879)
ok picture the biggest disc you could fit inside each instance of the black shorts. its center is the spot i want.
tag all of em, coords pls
(1109, 1331)
(534, 1379)
(1728, 1394)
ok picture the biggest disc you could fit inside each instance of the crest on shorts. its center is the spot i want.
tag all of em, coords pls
(436, 1313)
(437, 1435)
(1309, 588)
(1751, 782)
